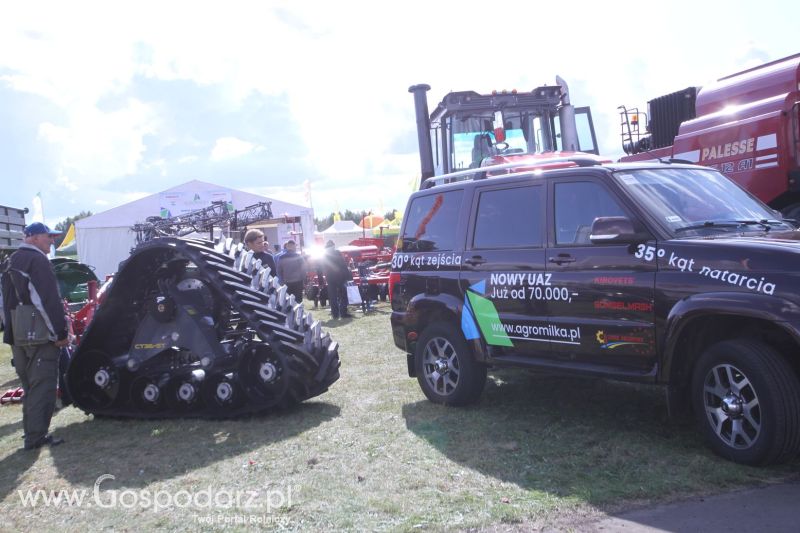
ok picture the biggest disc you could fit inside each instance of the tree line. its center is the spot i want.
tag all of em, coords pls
(356, 216)
(64, 225)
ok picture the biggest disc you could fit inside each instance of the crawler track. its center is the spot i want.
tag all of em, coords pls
(189, 329)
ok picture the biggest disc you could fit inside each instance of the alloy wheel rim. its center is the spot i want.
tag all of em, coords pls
(441, 366)
(732, 406)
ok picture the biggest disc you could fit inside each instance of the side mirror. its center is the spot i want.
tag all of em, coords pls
(499, 127)
(607, 230)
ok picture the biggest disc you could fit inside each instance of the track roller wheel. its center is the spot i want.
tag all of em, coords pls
(264, 373)
(147, 393)
(95, 380)
(222, 392)
(183, 391)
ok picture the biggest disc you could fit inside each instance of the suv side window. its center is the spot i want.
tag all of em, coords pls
(509, 218)
(431, 222)
(577, 204)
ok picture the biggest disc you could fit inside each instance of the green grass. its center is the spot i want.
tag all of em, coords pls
(373, 454)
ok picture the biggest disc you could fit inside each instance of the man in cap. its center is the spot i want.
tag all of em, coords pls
(30, 280)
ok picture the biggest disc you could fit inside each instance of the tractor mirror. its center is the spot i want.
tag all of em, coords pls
(499, 127)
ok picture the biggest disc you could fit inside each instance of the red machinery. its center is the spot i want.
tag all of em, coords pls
(745, 125)
(372, 259)
(83, 316)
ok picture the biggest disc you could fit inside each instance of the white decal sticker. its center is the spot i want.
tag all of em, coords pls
(527, 286)
(549, 333)
(767, 141)
(418, 261)
(687, 264)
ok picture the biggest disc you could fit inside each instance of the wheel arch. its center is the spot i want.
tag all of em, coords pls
(424, 310)
(697, 322)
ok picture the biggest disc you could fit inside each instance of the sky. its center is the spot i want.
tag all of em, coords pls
(102, 103)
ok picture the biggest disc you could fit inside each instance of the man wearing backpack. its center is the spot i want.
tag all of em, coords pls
(29, 281)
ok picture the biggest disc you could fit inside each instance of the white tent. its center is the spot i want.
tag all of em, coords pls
(342, 232)
(106, 238)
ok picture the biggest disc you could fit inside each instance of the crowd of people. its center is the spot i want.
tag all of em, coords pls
(333, 272)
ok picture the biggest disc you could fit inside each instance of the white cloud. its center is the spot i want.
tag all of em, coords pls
(96, 146)
(345, 77)
(64, 181)
(230, 148)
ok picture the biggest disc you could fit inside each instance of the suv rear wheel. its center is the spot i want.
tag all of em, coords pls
(446, 370)
(746, 400)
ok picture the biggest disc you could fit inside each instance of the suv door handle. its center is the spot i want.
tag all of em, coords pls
(475, 260)
(561, 259)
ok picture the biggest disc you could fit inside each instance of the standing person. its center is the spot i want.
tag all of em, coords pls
(255, 241)
(278, 252)
(30, 280)
(292, 271)
(337, 275)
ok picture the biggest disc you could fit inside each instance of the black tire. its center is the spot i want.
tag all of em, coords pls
(746, 399)
(462, 379)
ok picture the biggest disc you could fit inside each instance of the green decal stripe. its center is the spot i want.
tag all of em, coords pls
(486, 315)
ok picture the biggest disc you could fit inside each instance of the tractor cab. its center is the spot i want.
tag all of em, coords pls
(467, 127)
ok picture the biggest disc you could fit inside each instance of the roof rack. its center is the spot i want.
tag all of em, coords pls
(521, 167)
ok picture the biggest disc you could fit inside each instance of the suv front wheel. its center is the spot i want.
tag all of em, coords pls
(746, 400)
(446, 370)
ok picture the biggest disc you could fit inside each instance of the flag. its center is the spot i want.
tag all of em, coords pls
(38, 210)
(307, 190)
(337, 216)
(69, 244)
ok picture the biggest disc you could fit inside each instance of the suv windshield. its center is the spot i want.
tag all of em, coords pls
(691, 201)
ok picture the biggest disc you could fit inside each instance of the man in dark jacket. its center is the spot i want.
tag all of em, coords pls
(292, 270)
(254, 239)
(30, 278)
(337, 274)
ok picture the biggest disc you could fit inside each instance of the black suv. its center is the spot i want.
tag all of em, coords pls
(655, 273)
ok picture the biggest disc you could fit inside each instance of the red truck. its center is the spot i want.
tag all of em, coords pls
(745, 125)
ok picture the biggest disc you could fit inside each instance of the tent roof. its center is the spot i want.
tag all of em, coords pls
(127, 215)
(343, 226)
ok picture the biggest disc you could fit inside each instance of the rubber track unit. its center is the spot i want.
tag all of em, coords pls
(190, 329)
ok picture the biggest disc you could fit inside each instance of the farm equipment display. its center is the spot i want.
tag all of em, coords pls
(466, 127)
(745, 125)
(190, 329)
(217, 215)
